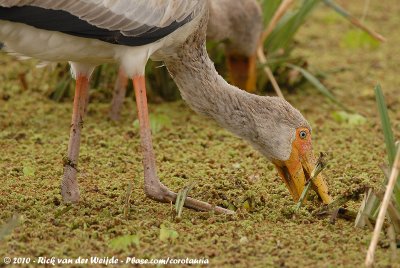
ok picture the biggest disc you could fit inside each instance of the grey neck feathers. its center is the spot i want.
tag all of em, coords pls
(268, 123)
(207, 93)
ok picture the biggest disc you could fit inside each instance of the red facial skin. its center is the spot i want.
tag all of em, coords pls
(297, 169)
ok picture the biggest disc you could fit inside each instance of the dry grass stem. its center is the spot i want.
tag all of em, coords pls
(382, 212)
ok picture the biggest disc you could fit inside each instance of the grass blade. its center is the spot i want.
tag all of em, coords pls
(368, 207)
(282, 9)
(269, 9)
(128, 199)
(321, 164)
(282, 35)
(385, 121)
(61, 89)
(303, 196)
(389, 137)
(354, 20)
(383, 209)
(317, 84)
(180, 199)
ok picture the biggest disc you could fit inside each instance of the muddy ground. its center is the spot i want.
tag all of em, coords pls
(34, 135)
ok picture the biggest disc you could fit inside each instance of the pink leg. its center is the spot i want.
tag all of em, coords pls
(118, 95)
(69, 185)
(152, 185)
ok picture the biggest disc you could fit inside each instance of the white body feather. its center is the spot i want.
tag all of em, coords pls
(87, 53)
(130, 17)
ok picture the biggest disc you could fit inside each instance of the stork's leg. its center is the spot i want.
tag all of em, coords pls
(118, 95)
(69, 185)
(152, 185)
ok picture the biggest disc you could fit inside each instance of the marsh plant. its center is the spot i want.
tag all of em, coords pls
(370, 206)
(373, 206)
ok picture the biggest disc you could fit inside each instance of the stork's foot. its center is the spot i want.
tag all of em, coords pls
(69, 185)
(152, 185)
(159, 192)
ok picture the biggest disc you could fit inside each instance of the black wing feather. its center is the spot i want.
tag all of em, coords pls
(62, 21)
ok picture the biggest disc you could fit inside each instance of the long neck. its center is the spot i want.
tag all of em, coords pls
(268, 123)
(207, 92)
(200, 84)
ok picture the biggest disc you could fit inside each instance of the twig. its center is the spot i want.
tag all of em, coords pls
(284, 6)
(282, 9)
(263, 60)
(382, 212)
(321, 164)
(353, 20)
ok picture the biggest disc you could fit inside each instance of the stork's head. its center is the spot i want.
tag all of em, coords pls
(283, 135)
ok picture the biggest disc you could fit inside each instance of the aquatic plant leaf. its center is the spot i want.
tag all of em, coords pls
(348, 118)
(354, 39)
(157, 122)
(28, 171)
(357, 119)
(317, 84)
(124, 242)
(167, 234)
(246, 205)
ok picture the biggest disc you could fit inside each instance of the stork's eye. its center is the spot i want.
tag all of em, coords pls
(303, 134)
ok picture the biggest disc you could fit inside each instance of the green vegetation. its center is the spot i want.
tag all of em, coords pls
(115, 218)
(371, 204)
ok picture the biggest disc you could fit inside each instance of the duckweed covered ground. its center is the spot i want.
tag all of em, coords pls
(34, 135)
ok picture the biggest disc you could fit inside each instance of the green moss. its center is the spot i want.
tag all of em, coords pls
(226, 171)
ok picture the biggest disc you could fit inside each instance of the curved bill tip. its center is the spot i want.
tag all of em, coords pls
(296, 171)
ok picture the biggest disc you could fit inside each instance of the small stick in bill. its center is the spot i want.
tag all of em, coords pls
(321, 165)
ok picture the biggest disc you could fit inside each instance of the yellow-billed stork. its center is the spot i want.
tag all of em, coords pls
(90, 32)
